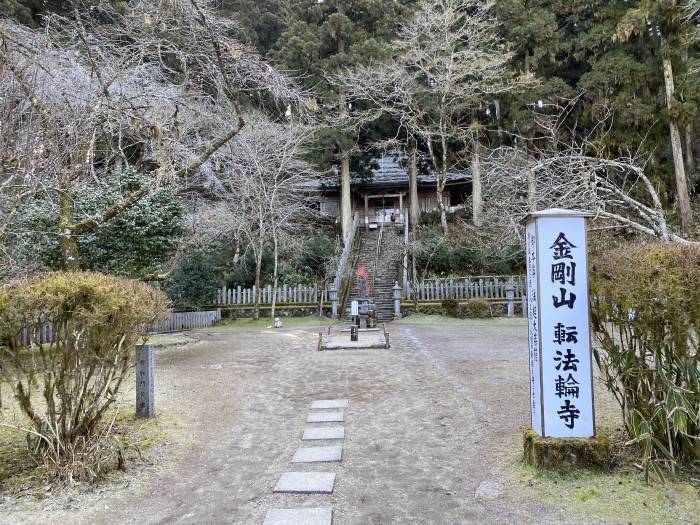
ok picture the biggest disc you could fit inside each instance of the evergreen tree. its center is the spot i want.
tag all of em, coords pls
(324, 38)
(619, 56)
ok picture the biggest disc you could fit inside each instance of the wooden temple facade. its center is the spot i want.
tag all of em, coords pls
(384, 195)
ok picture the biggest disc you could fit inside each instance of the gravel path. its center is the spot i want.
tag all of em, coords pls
(432, 428)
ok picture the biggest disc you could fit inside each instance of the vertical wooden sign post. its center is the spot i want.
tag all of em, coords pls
(145, 380)
(561, 382)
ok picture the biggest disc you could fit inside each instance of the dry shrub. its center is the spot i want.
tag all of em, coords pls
(476, 309)
(646, 317)
(64, 387)
(451, 308)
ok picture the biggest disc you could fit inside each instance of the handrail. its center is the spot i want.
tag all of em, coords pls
(405, 252)
(378, 251)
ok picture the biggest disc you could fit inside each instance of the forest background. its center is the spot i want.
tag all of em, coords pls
(615, 81)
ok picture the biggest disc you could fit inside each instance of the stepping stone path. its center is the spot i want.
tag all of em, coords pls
(325, 417)
(314, 433)
(312, 482)
(312, 516)
(317, 454)
(306, 483)
(329, 403)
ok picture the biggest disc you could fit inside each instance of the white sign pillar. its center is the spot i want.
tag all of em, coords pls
(561, 379)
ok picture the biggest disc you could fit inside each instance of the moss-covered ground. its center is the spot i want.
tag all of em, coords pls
(312, 322)
(618, 496)
(432, 320)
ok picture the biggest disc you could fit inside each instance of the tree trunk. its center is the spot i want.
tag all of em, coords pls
(258, 271)
(689, 157)
(274, 278)
(441, 204)
(476, 184)
(345, 202)
(686, 215)
(67, 242)
(413, 187)
(531, 191)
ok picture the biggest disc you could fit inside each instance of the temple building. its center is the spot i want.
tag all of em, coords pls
(387, 194)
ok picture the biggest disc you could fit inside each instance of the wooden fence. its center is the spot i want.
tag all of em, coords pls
(174, 322)
(486, 287)
(285, 294)
(178, 321)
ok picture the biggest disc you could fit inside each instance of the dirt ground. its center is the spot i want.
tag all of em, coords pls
(433, 433)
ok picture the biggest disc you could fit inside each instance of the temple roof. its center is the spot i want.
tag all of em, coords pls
(390, 171)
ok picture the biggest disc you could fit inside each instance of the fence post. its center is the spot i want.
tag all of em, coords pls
(510, 296)
(145, 380)
(397, 300)
(333, 296)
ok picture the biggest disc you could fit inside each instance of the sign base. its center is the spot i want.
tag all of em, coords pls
(566, 453)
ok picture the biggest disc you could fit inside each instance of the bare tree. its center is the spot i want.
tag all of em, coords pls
(567, 175)
(448, 64)
(155, 85)
(262, 193)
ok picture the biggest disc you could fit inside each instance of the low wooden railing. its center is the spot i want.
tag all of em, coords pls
(487, 287)
(285, 294)
(173, 322)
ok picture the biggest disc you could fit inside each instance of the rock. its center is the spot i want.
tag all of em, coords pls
(488, 490)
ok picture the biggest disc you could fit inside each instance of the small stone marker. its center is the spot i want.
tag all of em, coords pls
(329, 403)
(318, 454)
(326, 417)
(313, 433)
(306, 483)
(312, 516)
(145, 380)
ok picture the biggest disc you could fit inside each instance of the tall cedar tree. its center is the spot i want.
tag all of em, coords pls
(321, 39)
(616, 54)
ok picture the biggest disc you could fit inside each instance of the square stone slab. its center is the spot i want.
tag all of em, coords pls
(313, 516)
(311, 433)
(326, 417)
(329, 403)
(306, 482)
(318, 454)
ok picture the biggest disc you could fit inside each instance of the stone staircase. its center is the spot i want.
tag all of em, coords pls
(388, 265)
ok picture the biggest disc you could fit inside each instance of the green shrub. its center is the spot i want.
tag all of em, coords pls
(316, 255)
(476, 309)
(437, 255)
(194, 283)
(65, 387)
(433, 254)
(468, 259)
(646, 318)
(138, 241)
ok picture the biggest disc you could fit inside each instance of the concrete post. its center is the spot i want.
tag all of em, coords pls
(524, 312)
(145, 380)
(333, 296)
(510, 296)
(397, 300)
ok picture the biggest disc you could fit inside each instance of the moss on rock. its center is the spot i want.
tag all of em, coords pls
(566, 453)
